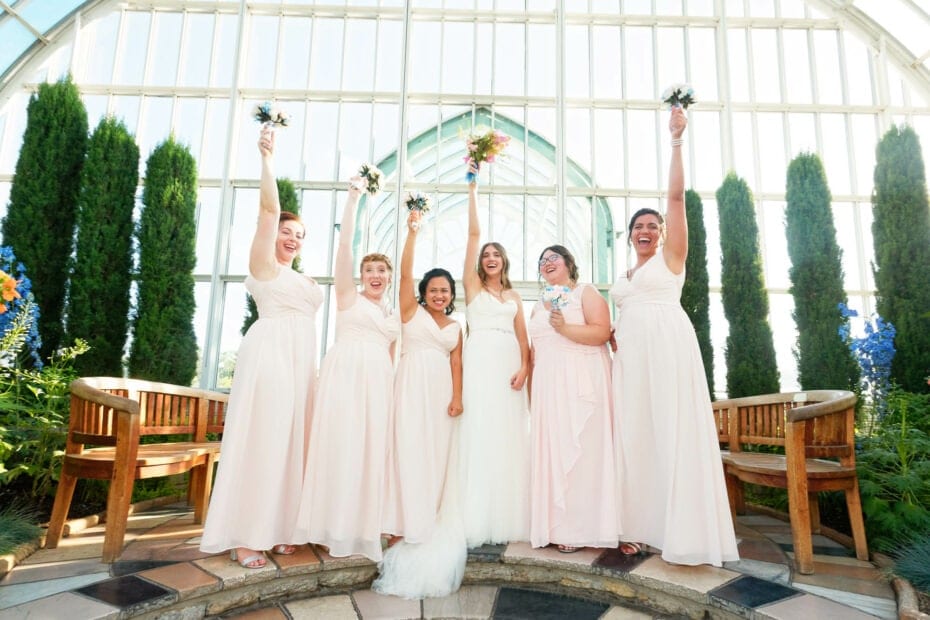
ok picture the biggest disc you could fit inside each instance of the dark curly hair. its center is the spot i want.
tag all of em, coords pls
(570, 263)
(437, 272)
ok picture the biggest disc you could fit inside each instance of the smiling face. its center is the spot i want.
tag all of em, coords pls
(552, 268)
(437, 294)
(289, 242)
(645, 234)
(376, 277)
(493, 264)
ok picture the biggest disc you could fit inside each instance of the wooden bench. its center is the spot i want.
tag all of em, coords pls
(814, 434)
(113, 414)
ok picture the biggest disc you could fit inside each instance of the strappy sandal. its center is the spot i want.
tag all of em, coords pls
(567, 548)
(630, 548)
(284, 549)
(248, 561)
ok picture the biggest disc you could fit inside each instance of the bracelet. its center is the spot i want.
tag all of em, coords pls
(677, 142)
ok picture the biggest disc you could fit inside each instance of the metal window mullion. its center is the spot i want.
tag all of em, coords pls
(399, 216)
(118, 58)
(215, 308)
(560, 121)
(723, 86)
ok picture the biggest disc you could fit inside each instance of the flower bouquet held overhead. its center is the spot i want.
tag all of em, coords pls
(415, 201)
(678, 96)
(484, 147)
(270, 116)
(371, 177)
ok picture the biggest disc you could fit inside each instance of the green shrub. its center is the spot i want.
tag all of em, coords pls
(17, 526)
(912, 562)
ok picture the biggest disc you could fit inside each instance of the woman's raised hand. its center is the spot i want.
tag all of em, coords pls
(356, 186)
(413, 220)
(266, 142)
(677, 122)
(473, 170)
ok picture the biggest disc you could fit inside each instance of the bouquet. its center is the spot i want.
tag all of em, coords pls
(271, 115)
(681, 95)
(372, 177)
(416, 201)
(484, 147)
(556, 296)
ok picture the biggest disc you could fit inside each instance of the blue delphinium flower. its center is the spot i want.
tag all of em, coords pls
(874, 351)
(16, 269)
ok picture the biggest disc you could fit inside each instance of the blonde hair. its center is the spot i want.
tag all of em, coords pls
(375, 257)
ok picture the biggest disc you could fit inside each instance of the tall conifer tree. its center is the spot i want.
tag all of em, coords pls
(98, 305)
(824, 359)
(901, 235)
(164, 346)
(695, 295)
(39, 224)
(750, 354)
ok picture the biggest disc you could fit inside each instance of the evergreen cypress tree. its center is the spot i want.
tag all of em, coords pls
(98, 305)
(750, 353)
(824, 360)
(695, 297)
(39, 224)
(164, 346)
(287, 194)
(901, 234)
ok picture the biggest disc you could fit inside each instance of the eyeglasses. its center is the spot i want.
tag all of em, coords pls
(549, 259)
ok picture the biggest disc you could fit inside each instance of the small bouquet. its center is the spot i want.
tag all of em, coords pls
(680, 95)
(372, 177)
(484, 147)
(416, 201)
(270, 115)
(556, 296)
(8, 290)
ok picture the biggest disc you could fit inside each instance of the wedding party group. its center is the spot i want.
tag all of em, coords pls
(415, 440)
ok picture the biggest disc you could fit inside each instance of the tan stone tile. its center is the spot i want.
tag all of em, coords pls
(762, 550)
(374, 606)
(329, 607)
(622, 613)
(700, 579)
(64, 605)
(186, 578)
(868, 587)
(468, 602)
(232, 575)
(28, 573)
(330, 562)
(850, 570)
(809, 606)
(162, 550)
(267, 613)
(524, 552)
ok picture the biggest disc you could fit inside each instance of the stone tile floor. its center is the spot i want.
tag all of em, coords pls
(161, 570)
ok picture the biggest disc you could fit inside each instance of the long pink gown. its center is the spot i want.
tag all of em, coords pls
(672, 491)
(257, 491)
(573, 477)
(344, 480)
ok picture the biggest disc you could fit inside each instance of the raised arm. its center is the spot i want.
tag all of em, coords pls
(262, 262)
(345, 266)
(470, 277)
(408, 292)
(676, 221)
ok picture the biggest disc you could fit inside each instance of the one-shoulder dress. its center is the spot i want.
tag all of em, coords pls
(672, 491)
(256, 495)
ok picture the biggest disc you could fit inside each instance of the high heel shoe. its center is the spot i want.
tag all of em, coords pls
(248, 561)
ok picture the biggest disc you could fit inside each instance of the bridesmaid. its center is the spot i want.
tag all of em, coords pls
(422, 473)
(573, 486)
(344, 479)
(255, 500)
(494, 441)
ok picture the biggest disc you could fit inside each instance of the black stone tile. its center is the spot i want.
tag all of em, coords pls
(752, 592)
(519, 604)
(836, 552)
(118, 569)
(126, 591)
(618, 562)
(486, 553)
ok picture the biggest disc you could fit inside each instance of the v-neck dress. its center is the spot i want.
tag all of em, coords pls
(423, 431)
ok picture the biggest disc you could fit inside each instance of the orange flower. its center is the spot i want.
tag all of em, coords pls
(8, 289)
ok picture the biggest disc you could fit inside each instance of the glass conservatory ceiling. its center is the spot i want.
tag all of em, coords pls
(898, 26)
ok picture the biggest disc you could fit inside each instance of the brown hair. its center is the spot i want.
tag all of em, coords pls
(375, 257)
(505, 276)
(570, 263)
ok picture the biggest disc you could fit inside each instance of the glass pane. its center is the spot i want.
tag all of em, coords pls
(608, 148)
(829, 87)
(509, 59)
(797, 57)
(208, 214)
(457, 57)
(234, 311)
(216, 139)
(765, 65)
(577, 72)
(703, 62)
(803, 133)
(772, 152)
(739, 67)
(835, 152)
(744, 152)
(224, 51)
(294, 71)
(101, 48)
(360, 39)
(326, 54)
(245, 210)
(578, 137)
(167, 42)
(844, 218)
(198, 44)
(785, 337)
(637, 63)
(390, 55)
(130, 66)
(670, 59)
(704, 130)
(261, 46)
(775, 244)
(540, 60)
(424, 61)
(608, 78)
(641, 149)
(858, 71)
